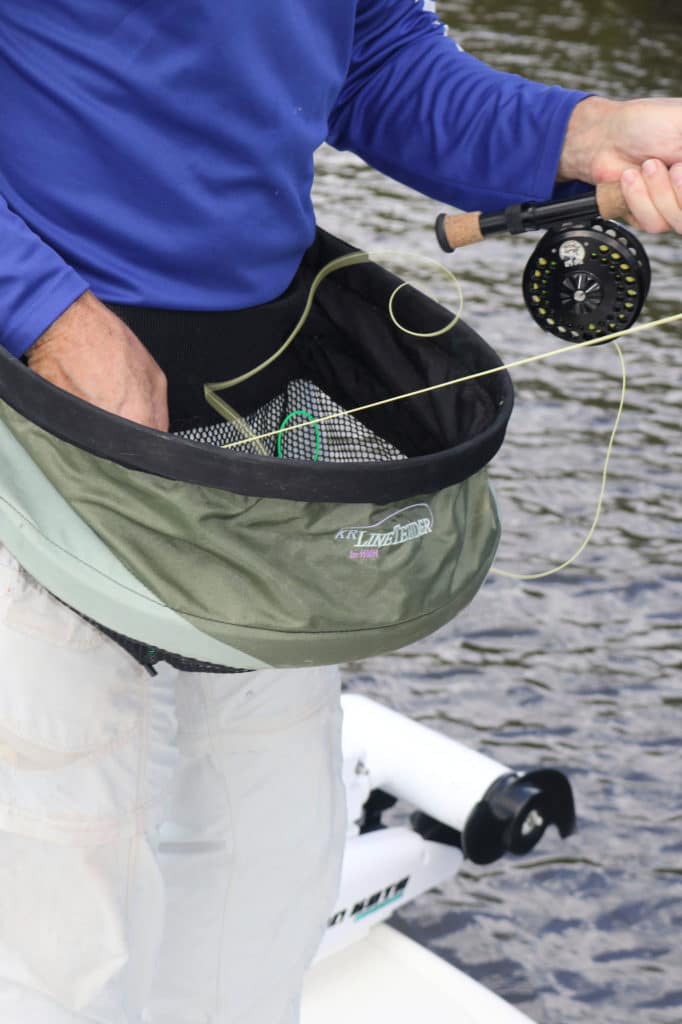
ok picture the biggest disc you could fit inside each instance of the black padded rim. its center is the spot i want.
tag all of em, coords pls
(165, 455)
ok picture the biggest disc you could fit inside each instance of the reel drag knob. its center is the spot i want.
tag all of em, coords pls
(584, 281)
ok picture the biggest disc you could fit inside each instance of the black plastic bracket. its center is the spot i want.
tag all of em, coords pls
(514, 813)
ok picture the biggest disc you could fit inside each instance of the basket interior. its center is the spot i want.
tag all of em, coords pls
(341, 439)
(348, 354)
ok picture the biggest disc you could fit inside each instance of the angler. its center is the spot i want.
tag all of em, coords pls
(173, 598)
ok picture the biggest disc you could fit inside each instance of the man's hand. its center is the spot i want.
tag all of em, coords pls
(636, 142)
(91, 353)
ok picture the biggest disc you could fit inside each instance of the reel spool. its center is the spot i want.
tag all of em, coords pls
(586, 280)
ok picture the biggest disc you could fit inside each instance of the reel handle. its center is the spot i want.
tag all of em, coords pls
(458, 229)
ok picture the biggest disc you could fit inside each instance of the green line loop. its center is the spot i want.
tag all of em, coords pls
(306, 415)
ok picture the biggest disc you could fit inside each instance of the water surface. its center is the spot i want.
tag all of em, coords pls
(583, 670)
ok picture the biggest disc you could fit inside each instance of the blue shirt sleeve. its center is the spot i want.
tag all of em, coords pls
(36, 285)
(422, 111)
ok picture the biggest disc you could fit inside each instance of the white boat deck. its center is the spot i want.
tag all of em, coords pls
(388, 977)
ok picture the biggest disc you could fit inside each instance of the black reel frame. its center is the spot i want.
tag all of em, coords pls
(586, 280)
(587, 277)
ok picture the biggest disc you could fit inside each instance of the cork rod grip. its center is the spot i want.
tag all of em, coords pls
(611, 203)
(458, 229)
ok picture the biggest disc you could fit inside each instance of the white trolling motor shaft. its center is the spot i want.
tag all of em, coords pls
(494, 809)
(427, 769)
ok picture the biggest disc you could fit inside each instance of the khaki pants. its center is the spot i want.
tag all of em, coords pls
(170, 846)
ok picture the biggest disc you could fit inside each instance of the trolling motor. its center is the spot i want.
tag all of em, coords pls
(464, 798)
(588, 276)
(467, 805)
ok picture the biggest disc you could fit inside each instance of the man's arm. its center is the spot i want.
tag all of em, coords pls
(36, 285)
(427, 114)
(67, 335)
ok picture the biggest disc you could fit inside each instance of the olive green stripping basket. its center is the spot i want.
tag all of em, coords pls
(329, 542)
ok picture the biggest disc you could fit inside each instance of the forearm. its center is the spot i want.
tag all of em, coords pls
(36, 285)
(68, 336)
(591, 151)
(89, 352)
(419, 109)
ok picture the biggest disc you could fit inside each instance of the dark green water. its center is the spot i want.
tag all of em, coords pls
(583, 670)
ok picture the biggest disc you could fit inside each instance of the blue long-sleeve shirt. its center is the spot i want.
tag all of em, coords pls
(161, 153)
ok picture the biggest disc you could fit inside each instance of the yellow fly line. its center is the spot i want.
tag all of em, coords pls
(353, 259)
(600, 500)
(525, 361)
(341, 262)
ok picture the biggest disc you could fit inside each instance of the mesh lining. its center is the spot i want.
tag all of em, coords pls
(345, 439)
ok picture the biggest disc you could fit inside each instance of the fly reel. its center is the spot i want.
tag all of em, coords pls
(588, 276)
(583, 281)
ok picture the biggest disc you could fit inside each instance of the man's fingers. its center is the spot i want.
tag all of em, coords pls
(653, 194)
(663, 191)
(676, 179)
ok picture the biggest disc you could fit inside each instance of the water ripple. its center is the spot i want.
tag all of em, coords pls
(581, 670)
